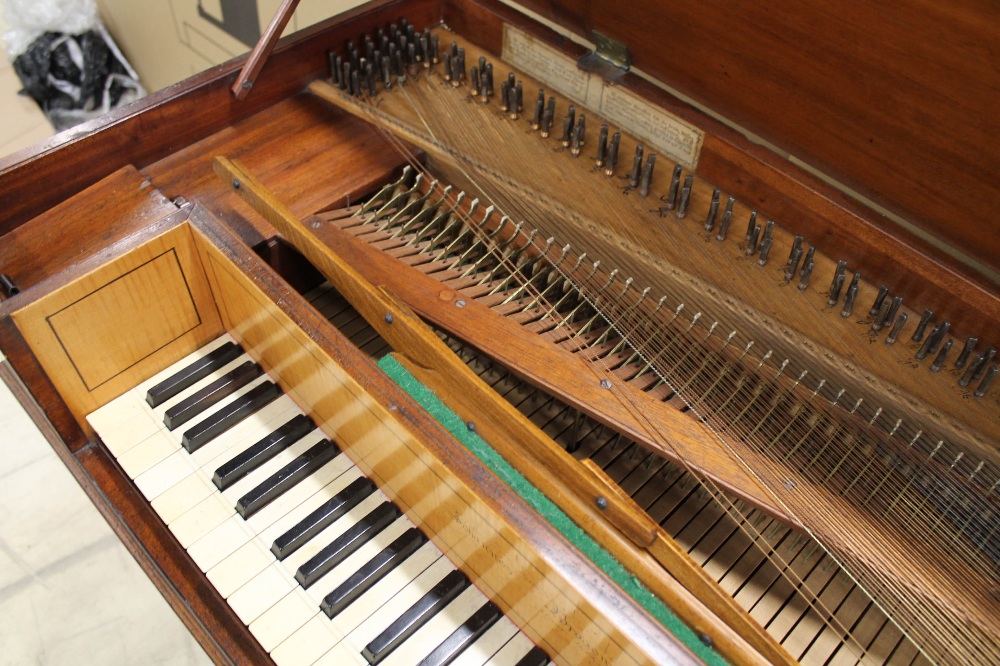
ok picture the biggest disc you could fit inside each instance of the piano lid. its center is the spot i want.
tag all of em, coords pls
(895, 101)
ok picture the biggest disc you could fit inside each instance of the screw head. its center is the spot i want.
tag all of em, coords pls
(601, 502)
(605, 383)
(388, 318)
(236, 183)
(460, 303)
(471, 426)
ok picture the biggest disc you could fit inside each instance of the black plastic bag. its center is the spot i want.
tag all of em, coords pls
(74, 77)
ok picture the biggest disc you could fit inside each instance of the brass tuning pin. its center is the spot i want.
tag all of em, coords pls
(838, 283)
(794, 256)
(636, 173)
(970, 345)
(675, 183)
(896, 328)
(713, 211)
(647, 176)
(612, 158)
(602, 147)
(807, 269)
(685, 200)
(852, 293)
(925, 319)
(536, 120)
(727, 217)
(883, 291)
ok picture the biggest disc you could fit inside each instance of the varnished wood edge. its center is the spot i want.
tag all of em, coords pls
(38, 389)
(170, 119)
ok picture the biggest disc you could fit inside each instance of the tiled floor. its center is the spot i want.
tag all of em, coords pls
(69, 591)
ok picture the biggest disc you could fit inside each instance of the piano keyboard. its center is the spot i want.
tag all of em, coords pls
(318, 563)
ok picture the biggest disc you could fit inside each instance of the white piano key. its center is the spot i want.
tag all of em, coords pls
(168, 472)
(283, 619)
(383, 616)
(481, 651)
(314, 639)
(261, 592)
(293, 516)
(234, 492)
(298, 494)
(340, 573)
(182, 497)
(244, 434)
(129, 432)
(513, 651)
(163, 475)
(160, 410)
(110, 417)
(342, 655)
(368, 603)
(236, 570)
(220, 543)
(235, 395)
(201, 519)
(353, 562)
(437, 629)
(147, 453)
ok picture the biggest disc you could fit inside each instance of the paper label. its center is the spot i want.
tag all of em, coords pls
(651, 124)
(647, 122)
(542, 62)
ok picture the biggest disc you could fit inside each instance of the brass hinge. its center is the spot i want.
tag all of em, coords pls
(610, 58)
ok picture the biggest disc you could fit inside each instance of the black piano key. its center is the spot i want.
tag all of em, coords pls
(464, 636)
(228, 416)
(221, 388)
(188, 376)
(347, 543)
(287, 477)
(262, 451)
(535, 657)
(415, 617)
(373, 571)
(323, 517)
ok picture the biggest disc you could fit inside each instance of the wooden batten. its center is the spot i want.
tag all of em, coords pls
(540, 582)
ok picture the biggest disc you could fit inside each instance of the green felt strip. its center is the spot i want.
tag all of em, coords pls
(552, 513)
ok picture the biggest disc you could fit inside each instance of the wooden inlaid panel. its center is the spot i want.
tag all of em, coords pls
(125, 321)
(100, 335)
(555, 608)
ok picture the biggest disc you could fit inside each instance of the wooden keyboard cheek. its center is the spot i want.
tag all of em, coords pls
(549, 591)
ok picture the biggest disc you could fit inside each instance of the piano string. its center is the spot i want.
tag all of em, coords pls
(844, 442)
